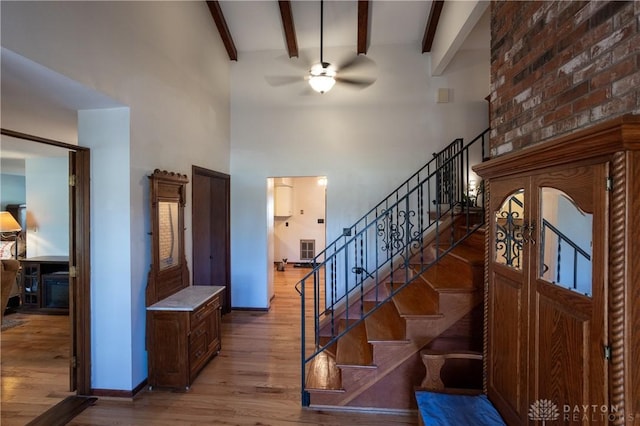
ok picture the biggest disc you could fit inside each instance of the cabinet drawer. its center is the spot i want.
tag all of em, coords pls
(198, 350)
(198, 354)
(198, 331)
(205, 310)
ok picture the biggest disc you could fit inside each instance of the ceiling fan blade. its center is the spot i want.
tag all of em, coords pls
(302, 62)
(282, 80)
(358, 83)
(355, 62)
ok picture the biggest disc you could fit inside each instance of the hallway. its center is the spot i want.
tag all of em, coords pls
(255, 380)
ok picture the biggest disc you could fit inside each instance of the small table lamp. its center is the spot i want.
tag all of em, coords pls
(8, 225)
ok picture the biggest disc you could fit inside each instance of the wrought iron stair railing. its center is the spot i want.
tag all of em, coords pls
(389, 241)
(576, 253)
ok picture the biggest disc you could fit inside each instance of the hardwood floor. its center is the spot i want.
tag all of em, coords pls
(34, 366)
(255, 380)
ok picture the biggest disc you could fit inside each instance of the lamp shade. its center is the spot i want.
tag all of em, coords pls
(8, 223)
(322, 77)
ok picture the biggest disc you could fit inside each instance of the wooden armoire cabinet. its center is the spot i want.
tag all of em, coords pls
(562, 296)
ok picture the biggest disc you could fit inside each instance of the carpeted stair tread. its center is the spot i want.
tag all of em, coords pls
(353, 347)
(323, 373)
(385, 324)
(416, 299)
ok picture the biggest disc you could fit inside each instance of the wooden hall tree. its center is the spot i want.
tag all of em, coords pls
(562, 305)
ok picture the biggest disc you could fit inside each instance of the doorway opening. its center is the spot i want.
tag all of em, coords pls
(55, 182)
(298, 221)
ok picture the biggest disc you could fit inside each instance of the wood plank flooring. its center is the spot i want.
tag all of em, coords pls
(34, 366)
(255, 380)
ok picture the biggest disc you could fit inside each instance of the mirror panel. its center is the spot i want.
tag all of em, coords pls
(168, 234)
(509, 222)
(565, 242)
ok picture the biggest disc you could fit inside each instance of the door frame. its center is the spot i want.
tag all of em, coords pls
(80, 258)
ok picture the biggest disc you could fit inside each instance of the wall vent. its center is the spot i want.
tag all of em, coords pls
(307, 249)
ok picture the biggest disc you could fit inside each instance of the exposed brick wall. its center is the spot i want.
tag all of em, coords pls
(558, 66)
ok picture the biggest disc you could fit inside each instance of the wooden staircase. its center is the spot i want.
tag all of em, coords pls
(377, 363)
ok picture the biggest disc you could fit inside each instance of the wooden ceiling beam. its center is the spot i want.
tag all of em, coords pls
(363, 26)
(432, 25)
(289, 28)
(223, 29)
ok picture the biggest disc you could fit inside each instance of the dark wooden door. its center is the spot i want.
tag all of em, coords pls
(211, 231)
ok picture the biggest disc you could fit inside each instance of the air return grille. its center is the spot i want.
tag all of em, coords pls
(307, 249)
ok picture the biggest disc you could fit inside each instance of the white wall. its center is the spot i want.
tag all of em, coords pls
(366, 142)
(106, 133)
(12, 190)
(166, 63)
(47, 196)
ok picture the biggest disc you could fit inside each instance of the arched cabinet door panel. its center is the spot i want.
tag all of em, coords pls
(507, 360)
(568, 293)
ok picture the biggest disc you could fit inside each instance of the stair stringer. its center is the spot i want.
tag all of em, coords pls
(389, 356)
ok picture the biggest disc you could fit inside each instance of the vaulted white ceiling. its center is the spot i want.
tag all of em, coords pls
(260, 25)
(256, 25)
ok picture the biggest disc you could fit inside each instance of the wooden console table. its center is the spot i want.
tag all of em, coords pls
(183, 335)
(45, 283)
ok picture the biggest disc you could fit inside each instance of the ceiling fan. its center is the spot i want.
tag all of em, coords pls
(323, 76)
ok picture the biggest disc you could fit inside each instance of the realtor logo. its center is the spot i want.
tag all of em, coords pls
(543, 409)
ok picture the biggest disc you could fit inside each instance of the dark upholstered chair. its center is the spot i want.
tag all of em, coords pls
(9, 272)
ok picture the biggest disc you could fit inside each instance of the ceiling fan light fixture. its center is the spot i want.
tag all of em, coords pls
(322, 77)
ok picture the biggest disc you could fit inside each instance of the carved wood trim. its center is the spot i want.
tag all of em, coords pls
(485, 319)
(617, 259)
(164, 174)
(166, 186)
